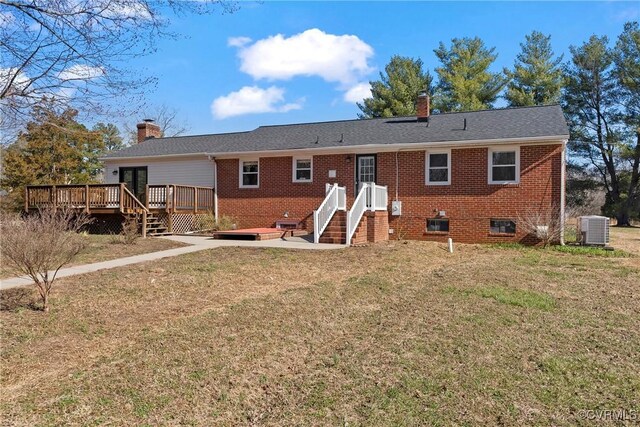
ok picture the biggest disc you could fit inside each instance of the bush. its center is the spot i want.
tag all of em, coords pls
(209, 222)
(39, 245)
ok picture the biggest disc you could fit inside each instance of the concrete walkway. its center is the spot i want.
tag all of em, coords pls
(197, 243)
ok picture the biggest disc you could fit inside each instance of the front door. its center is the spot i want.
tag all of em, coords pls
(365, 169)
(136, 180)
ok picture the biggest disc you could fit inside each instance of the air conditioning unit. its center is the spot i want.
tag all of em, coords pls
(593, 230)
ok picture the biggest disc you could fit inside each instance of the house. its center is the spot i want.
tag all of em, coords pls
(464, 175)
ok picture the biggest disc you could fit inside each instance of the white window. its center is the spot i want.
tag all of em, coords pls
(249, 173)
(438, 167)
(504, 165)
(302, 169)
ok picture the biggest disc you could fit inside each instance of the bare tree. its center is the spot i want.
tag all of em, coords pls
(545, 223)
(77, 51)
(39, 245)
(168, 118)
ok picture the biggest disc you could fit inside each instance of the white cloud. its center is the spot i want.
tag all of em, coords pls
(128, 9)
(238, 41)
(343, 59)
(80, 72)
(358, 92)
(251, 100)
(19, 82)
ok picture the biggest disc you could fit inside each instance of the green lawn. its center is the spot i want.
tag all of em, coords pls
(390, 334)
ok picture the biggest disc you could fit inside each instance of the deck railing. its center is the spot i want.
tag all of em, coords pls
(117, 197)
(180, 198)
(74, 196)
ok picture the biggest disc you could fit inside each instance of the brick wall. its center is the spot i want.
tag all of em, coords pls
(469, 201)
(262, 207)
(377, 226)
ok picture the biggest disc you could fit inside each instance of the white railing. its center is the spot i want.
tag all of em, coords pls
(336, 197)
(377, 197)
(342, 198)
(357, 210)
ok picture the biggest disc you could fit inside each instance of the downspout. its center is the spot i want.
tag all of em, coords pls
(215, 187)
(563, 185)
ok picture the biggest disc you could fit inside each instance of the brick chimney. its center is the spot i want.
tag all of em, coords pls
(147, 130)
(423, 107)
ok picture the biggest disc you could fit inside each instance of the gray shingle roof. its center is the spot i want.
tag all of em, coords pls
(526, 122)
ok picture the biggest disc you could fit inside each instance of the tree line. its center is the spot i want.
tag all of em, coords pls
(598, 88)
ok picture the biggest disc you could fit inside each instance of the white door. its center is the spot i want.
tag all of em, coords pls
(366, 170)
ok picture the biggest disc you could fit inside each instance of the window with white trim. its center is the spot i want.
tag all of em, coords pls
(302, 169)
(504, 165)
(502, 226)
(249, 173)
(438, 167)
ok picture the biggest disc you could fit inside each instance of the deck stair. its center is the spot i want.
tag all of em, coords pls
(155, 227)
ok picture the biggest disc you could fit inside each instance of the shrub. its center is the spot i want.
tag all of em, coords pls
(209, 222)
(39, 245)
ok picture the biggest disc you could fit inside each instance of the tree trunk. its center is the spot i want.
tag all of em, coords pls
(623, 219)
(45, 302)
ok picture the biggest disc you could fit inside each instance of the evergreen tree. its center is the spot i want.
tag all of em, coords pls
(396, 92)
(465, 82)
(626, 58)
(54, 149)
(111, 137)
(603, 132)
(537, 75)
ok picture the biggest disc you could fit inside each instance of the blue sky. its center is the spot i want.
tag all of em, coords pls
(224, 66)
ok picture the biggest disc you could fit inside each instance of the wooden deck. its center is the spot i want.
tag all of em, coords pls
(157, 200)
(117, 198)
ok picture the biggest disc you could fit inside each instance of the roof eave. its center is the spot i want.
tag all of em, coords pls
(361, 148)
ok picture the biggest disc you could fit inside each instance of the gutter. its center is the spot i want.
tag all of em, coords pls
(367, 148)
(563, 190)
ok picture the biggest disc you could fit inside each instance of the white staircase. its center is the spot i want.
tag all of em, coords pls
(333, 223)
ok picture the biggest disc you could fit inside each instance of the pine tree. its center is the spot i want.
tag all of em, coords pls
(604, 134)
(465, 82)
(626, 58)
(396, 92)
(110, 136)
(537, 75)
(54, 149)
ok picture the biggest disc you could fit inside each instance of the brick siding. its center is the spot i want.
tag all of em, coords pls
(469, 201)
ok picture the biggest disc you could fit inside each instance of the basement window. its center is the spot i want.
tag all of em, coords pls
(504, 165)
(302, 169)
(249, 173)
(438, 225)
(438, 167)
(503, 226)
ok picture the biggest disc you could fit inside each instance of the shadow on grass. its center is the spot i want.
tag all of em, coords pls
(17, 299)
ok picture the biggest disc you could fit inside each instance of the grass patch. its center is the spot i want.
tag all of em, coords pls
(102, 248)
(388, 334)
(591, 251)
(516, 297)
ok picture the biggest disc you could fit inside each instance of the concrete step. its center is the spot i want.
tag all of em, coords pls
(339, 241)
(332, 235)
